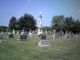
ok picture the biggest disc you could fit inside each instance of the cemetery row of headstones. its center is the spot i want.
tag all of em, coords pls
(43, 41)
(64, 34)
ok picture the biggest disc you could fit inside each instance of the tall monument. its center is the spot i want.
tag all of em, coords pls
(40, 25)
(43, 41)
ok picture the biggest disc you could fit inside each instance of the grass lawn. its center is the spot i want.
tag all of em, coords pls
(59, 49)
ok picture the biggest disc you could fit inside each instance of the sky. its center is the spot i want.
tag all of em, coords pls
(49, 8)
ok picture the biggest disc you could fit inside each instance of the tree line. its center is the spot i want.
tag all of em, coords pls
(65, 23)
(28, 22)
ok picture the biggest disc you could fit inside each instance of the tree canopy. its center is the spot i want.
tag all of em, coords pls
(26, 22)
(65, 23)
(13, 23)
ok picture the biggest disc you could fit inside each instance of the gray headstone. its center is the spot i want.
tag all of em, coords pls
(43, 43)
(77, 35)
(11, 35)
(23, 37)
(67, 35)
(43, 36)
(54, 35)
(3, 37)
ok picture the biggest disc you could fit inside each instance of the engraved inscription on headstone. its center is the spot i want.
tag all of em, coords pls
(44, 42)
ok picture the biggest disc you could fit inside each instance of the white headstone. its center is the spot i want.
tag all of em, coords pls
(54, 33)
(30, 33)
(13, 31)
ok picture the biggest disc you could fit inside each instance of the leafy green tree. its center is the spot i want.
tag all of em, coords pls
(57, 22)
(68, 23)
(27, 22)
(13, 23)
(65, 23)
(76, 27)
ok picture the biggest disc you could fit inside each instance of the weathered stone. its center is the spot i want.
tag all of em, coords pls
(43, 43)
(23, 37)
(11, 35)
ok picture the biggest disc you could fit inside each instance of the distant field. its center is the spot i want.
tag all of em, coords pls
(59, 49)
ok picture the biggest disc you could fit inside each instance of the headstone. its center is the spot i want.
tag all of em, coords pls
(30, 33)
(23, 37)
(43, 36)
(54, 33)
(3, 37)
(43, 42)
(11, 35)
(17, 32)
(66, 34)
(13, 31)
(77, 35)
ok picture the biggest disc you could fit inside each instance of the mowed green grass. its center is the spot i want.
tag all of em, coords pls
(59, 49)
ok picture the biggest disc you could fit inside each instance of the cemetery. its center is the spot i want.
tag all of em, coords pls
(59, 48)
(40, 30)
(39, 45)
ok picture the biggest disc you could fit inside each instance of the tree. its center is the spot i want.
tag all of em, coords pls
(76, 27)
(65, 23)
(57, 22)
(13, 23)
(46, 28)
(27, 22)
(68, 23)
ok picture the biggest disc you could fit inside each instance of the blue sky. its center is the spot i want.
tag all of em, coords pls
(49, 8)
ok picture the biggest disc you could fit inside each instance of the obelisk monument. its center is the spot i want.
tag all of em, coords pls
(40, 25)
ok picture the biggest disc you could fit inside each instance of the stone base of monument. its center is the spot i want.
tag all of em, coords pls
(43, 43)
